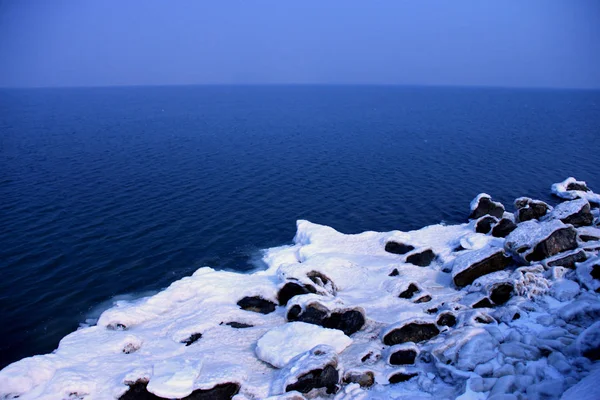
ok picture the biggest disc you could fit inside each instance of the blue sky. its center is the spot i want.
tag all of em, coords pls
(533, 43)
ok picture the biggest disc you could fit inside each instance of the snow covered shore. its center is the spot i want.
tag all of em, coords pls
(506, 306)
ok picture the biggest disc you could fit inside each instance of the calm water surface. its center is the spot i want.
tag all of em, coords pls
(124, 190)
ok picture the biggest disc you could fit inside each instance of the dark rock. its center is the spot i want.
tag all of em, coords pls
(588, 238)
(239, 325)
(225, 391)
(503, 228)
(402, 377)
(501, 293)
(116, 327)
(567, 260)
(495, 262)
(256, 304)
(421, 259)
(409, 292)
(366, 357)
(292, 289)
(516, 316)
(578, 186)
(484, 319)
(560, 240)
(483, 303)
(398, 248)
(403, 357)
(446, 319)
(423, 299)
(528, 209)
(411, 332)
(484, 224)
(363, 378)
(327, 377)
(394, 272)
(485, 206)
(320, 279)
(576, 212)
(349, 321)
(595, 271)
(192, 339)
(431, 310)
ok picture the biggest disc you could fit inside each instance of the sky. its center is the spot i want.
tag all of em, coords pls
(507, 43)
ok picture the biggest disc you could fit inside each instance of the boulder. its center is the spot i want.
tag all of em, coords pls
(483, 303)
(409, 291)
(404, 354)
(485, 223)
(500, 293)
(470, 266)
(503, 228)
(528, 209)
(535, 241)
(421, 258)
(291, 289)
(398, 248)
(363, 378)
(224, 391)
(566, 259)
(348, 321)
(327, 378)
(571, 189)
(446, 319)
(576, 212)
(256, 304)
(402, 377)
(483, 205)
(412, 331)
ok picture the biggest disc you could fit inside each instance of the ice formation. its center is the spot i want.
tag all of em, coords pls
(502, 307)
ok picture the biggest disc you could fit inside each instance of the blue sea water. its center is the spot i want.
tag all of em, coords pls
(111, 191)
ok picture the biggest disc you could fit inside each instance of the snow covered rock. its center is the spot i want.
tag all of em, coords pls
(421, 258)
(535, 241)
(589, 342)
(281, 344)
(403, 354)
(503, 228)
(571, 189)
(414, 330)
(316, 310)
(566, 259)
(139, 390)
(528, 209)
(588, 234)
(292, 289)
(398, 248)
(575, 212)
(471, 265)
(257, 304)
(483, 205)
(484, 224)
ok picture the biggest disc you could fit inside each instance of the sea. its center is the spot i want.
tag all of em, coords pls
(111, 194)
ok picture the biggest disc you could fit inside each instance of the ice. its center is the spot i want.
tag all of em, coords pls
(194, 336)
(281, 344)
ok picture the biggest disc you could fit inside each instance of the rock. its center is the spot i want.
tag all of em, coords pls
(578, 185)
(192, 339)
(422, 258)
(520, 351)
(446, 319)
(401, 377)
(576, 212)
(415, 332)
(409, 291)
(503, 228)
(394, 272)
(224, 391)
(291, 289)
(423, 299)
(588, 342)
(363, 378)
(348, 321)
(483, 303)
(484, 224)
(238, 325)
(483, 205)
(256, 304)
(528, 209)
(535, 241)
(327, 377)
(398, 248)
(500, 293)
(595, 273)
(474, 264)
(566, 259)
(403, 355)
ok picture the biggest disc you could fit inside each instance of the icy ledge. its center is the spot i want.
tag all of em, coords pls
(502, 307)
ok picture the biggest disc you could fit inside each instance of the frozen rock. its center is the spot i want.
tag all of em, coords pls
(398, 248)
(403, 354)
(586, 389)
(503, 228)
(564, 290)
(520, 351)
(446, 319)
(535, 241)
(504, 384)
(292, 289)
(483, 205)
(409, 291)
(313, 369)
(566, 259)
(402, 376)
(224, 391)
(571, 189)
(421, 258)
(485, 223)
(588, 233)
(576, 212)
(589, 342)
(363, 378)
(550, 389)
(348, 321)
(470, 266)
(414, 330)
(528, 209)
(279, 345)
(256, 304)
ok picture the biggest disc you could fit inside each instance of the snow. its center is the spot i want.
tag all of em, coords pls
(560, 190)
(279, 345)
(529, 347)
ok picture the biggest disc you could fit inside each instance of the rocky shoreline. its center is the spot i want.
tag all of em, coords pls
(505, 306)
